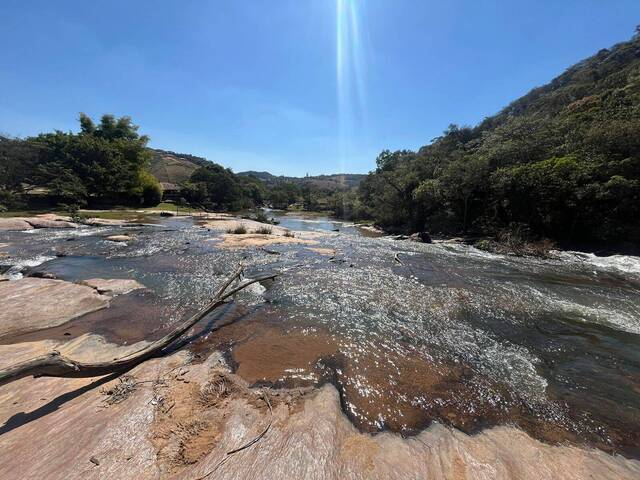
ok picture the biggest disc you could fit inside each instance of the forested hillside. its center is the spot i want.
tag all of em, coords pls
(561, 162)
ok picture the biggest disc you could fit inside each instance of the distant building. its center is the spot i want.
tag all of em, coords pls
(170, 191)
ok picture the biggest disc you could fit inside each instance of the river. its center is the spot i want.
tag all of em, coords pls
(409, 333)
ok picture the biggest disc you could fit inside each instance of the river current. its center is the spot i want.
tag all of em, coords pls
(409, 333)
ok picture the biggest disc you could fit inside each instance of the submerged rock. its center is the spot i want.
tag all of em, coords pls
(39, 274)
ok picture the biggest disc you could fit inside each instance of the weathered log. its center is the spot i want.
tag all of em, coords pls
(56, 365)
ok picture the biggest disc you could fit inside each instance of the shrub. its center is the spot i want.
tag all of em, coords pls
(151, 190)
(289, 234)
(264, 230)
(239, 230)
(75, 215)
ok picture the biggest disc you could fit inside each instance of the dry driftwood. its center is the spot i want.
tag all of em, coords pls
(56, 365)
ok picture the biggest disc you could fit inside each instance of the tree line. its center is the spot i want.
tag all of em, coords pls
(217, 188)
(103, 164)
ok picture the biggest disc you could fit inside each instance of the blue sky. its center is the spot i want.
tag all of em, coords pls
(254, 84)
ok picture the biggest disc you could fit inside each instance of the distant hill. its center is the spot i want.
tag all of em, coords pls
(338, 181)
(172, 167)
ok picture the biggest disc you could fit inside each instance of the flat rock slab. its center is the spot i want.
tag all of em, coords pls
(106, 222)
(85, 348)
(112, 286)
(35, 303)
(14, 223)
(251, 226)
(323, 251)
(39, 221)
(118, 238)
(231, 240)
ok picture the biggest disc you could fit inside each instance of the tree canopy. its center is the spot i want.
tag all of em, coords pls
(103, 163)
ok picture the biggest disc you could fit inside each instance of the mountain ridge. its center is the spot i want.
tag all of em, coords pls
(172, 167)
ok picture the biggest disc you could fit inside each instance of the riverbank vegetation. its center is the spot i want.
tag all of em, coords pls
(561, 162)
(102, 164)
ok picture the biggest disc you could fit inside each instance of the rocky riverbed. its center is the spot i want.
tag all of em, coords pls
(365, 358)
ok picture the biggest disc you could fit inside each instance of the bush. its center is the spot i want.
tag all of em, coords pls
(151, 190)
(239, 230)
(516, 241)
(264, 230)
(260, 216)
(289, 234)
(74, 214)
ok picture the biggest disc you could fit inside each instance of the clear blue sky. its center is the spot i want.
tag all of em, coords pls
(253, 84)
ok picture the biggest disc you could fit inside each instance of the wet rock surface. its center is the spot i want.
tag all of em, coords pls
(446, 337)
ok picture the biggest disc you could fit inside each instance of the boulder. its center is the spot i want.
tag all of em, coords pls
(422, 237)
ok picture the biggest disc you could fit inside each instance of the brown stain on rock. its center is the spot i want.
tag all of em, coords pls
(275, 356)
(361, 449)
(402, 392)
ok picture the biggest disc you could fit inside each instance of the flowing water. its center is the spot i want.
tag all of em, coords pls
(305, 222)
(409, 333)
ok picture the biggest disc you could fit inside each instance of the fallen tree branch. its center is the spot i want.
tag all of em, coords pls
(56, 365)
